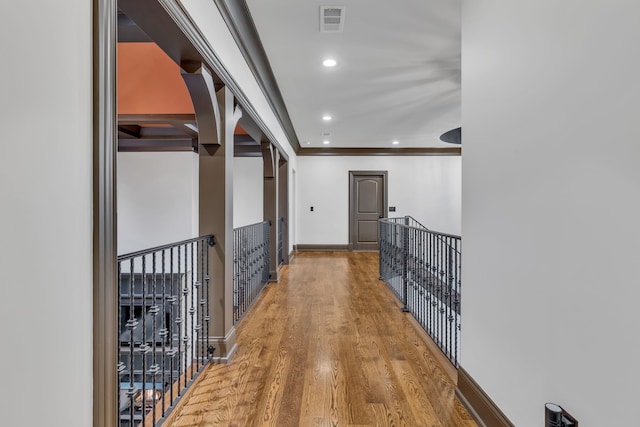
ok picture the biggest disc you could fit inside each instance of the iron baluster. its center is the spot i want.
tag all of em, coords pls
(201, 353)
(423, 278)
(405, 272)
(179, 318)
(438, 282)
(121, 365)
(451, 293)
(412, 271)
(172, 318)
(440, 291)
(236, 278)
(207, 318)
(183, 315)
(432, 287)
(143, 345)
(381, 234)
(456, 296)
(163, 330)
(154, 313)
(192, 312)
(131, 324)
(409, 233)
(251, 265)
(422, 268)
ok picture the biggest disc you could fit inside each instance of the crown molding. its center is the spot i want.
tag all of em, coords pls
(428, 151)
(238, 18)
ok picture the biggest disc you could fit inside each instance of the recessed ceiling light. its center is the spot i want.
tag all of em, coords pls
(308, 142)
(329, 62)
(326, 118)
(396, 142)
(325, 142)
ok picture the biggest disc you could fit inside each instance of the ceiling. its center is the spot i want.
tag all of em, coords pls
(397, 75)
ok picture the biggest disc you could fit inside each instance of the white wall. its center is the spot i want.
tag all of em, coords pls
(247, 191)
(46, 227)
(157, 199)
(551, 100)
(426, 187)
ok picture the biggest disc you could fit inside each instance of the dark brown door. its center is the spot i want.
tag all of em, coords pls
(368, 204)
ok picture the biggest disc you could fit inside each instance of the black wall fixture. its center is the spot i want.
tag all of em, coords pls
(556, 416)
(454, 136)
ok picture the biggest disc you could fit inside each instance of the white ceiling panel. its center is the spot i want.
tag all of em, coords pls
(397, 76)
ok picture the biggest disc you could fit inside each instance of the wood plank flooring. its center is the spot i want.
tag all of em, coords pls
(327, 346)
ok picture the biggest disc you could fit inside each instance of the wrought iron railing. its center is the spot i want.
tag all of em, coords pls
(422, 268)
(163, 327)
(280, 241)
(250, 265)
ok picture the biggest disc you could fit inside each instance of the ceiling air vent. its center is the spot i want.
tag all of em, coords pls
(331, 19)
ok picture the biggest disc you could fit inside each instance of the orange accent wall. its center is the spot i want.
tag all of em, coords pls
(149, 82)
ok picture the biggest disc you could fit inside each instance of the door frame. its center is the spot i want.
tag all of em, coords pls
(105, 286)
(352, 203)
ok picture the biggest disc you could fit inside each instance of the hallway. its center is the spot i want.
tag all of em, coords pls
(326, 346)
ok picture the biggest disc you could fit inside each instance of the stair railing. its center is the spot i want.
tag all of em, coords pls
(280, 241)
(164, 322)
(251, 257)
(422, 268)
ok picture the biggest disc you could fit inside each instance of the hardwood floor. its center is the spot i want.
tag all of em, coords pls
(327, 346)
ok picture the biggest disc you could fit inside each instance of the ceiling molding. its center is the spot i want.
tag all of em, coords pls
(186, 24)
(136, 119)
(153, 145)
(428, 151)
(238, 18)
